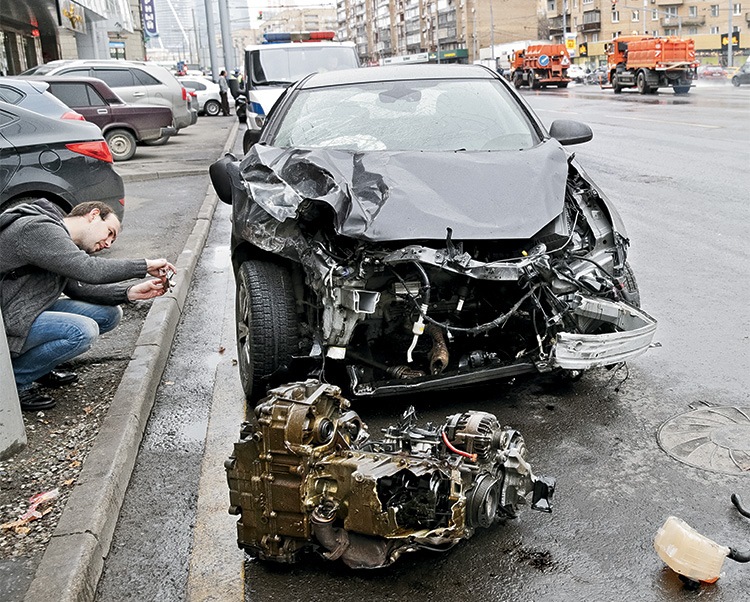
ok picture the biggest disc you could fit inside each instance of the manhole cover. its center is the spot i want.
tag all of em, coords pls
(714, 438)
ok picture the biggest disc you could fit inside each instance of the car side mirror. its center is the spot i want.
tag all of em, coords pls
(567, 132)
(221, 179)
(250, 139)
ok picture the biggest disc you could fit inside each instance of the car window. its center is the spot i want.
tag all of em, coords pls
(81, 71)
(115, 78)
(10, 95)
(6, 118)
(77, 94)
(145, 79)
(290, 64)
(425, 115)
(192, 84)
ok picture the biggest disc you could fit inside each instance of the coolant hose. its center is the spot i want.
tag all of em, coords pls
(736, 555)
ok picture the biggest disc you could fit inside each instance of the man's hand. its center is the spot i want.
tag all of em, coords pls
(159, 267)
(147, 290)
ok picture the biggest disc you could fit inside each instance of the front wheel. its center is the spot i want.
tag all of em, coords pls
(616, 85)
(212, 108)
(122, 144)
(266, 320)
(632, 293)
(736, 81)
(642, 84)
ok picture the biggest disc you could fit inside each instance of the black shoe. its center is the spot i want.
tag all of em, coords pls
(33, 401)
(57, 378)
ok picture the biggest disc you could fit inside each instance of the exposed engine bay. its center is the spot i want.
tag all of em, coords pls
(404, 315)
(306, 476)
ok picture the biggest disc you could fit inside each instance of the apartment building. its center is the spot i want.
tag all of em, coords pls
(455, 30)
(590, 23)
(448, 30)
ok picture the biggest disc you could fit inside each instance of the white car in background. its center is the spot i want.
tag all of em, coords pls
(576, 73)
(207, 92)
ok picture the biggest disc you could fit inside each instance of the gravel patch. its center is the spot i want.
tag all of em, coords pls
(59, 441)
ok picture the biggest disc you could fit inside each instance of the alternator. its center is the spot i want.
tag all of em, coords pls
(306, 476)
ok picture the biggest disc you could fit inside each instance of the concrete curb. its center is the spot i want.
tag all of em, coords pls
(74, 559)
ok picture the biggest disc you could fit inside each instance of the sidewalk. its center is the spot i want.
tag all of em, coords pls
(73, 561)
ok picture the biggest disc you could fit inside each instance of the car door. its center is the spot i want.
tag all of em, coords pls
(82, 97)
(122, 81)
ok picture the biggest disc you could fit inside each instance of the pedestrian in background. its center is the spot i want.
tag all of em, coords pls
(45, 253)
(223, 91)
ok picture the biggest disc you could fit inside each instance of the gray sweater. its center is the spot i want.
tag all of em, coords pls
(39, 261)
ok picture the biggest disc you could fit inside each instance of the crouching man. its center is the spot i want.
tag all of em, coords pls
(45, 254)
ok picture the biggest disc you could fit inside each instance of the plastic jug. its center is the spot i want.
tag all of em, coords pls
(689, 553)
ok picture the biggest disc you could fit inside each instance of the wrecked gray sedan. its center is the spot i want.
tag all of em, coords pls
(414, 228)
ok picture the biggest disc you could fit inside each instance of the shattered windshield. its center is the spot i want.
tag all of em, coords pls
(287, 65)
(424, 115)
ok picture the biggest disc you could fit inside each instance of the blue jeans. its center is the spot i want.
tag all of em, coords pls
(67, 329)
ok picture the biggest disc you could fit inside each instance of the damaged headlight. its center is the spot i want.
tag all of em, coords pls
(306, 476)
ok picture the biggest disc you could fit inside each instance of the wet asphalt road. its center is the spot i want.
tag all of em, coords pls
(678, 170)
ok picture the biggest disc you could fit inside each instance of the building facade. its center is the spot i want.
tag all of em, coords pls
(448, 30)
(456, 30)
(39, 31)
(590, 23)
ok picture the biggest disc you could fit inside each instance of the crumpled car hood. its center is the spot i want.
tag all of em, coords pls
(391, 196)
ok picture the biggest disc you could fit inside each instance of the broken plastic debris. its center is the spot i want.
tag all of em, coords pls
(32, 513)
(693, 556)
(689, 553)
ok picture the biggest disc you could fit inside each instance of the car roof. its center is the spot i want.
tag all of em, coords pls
(101, 86)
(397, 73)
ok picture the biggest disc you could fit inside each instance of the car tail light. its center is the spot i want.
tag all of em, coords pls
(96, 149)
(73, 115)
(184, 93)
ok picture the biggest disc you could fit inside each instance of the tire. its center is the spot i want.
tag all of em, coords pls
(212, 108)
(563, 85)
(533, 82)
(30, 199)
(267, 325)
(158, 142)
(616, 85)
(681, 90)
(631, 286)
(122, 144)
(641, 83)
(517, 79)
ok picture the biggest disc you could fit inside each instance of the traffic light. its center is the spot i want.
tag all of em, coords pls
(260, 15)
(583, 49)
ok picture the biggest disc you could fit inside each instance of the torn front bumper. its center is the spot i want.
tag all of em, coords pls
(634, 334)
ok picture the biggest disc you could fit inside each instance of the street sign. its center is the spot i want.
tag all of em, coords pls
(735, 39)
(543, 60)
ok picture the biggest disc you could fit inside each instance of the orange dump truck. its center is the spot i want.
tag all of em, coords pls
(541, 66)
(649, 63)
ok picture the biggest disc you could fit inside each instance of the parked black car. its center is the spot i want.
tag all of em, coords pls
(65, 161)
(417, 228)
(123, 125)
(35, 96)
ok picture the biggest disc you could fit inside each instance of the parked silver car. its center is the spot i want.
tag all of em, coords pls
(207, 92)
(134, 81)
